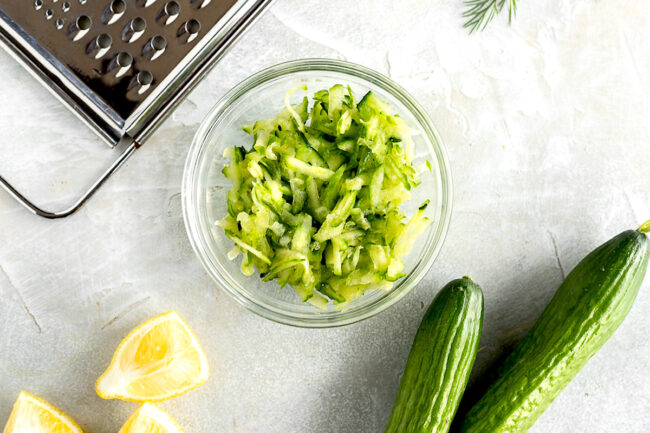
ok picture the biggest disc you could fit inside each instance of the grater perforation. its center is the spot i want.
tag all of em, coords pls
(130, 26)
(121, 65)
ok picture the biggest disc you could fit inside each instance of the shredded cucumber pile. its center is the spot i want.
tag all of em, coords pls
(315, 202)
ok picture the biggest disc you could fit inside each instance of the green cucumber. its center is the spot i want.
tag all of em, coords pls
(442, 356)
(584, 312)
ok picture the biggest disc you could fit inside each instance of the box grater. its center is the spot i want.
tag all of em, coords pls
(120, 65)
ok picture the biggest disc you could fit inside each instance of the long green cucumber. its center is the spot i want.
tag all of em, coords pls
(584, 312)
(441, 358)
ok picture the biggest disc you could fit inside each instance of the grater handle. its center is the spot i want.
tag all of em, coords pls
(128, 151)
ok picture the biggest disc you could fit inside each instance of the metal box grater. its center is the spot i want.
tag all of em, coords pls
(120, 65)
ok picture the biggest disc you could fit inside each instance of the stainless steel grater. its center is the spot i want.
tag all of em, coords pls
(120, 65)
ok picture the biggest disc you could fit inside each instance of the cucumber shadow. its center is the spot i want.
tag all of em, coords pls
(506, 322)
(358, 393)
(475, 390)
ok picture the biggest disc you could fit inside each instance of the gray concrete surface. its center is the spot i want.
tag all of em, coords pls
(546, 125)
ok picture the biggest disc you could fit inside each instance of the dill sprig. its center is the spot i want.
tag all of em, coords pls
(479, 13)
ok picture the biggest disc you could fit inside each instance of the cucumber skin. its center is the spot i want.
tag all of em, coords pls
(440, 361)
(585, 311)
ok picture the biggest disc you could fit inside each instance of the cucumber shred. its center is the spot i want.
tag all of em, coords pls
(314, 202)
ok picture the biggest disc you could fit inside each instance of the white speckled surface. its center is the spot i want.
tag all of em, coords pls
(546, 125)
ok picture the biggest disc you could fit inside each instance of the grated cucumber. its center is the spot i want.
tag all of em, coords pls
(315, 202)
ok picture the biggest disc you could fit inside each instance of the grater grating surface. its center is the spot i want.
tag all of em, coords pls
(120, 65)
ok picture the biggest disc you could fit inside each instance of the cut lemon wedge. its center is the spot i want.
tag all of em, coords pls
(158, 360)
(33, 415)
(149, 418)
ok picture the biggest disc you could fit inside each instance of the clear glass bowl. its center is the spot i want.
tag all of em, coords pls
(205, 187)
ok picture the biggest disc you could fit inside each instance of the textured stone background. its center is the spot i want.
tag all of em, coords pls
(546, 125)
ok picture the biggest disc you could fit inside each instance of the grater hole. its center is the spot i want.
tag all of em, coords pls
(59, 23)
(134, 30)
(113, 12)
(118, 6)
(104, 41)
(84, 22)
(120, 65)
(159, 43)
(99, 46)
(189, 31)
(49, 13)
(172, 8)
(38, 4)
(138, 24)
(124, 59)
(65, 7)
(139, 85)
(155, 47)
(145, 78)
(192, 26)
(169, 13)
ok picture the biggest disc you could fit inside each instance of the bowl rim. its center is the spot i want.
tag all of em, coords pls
(213, 118)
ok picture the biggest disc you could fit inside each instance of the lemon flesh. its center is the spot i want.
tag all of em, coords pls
(33, 415)
(158, 360)
(149, 418)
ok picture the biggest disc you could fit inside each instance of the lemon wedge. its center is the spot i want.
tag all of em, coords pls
(158, 360)
(33, 415)
(149, 418)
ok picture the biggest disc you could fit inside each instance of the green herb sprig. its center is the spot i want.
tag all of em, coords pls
(479, 13)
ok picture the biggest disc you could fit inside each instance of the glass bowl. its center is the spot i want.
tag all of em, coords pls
(205, 187)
